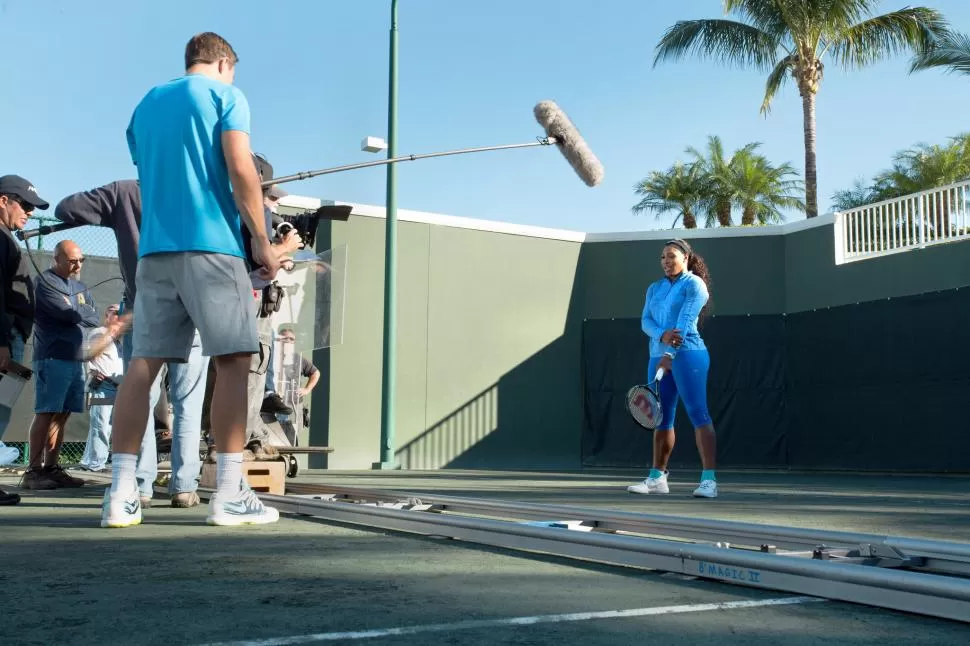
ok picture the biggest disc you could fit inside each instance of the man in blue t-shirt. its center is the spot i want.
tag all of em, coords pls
(189, 139)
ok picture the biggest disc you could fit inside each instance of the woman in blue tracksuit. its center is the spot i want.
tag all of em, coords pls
(674, 306)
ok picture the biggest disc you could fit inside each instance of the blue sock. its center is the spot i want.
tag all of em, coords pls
(707, 474)
(655, 473)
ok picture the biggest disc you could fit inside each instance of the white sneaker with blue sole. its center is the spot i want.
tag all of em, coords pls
(121, 510)
(707, 489)
(243, 508)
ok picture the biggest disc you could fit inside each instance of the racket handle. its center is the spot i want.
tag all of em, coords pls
(660, 374)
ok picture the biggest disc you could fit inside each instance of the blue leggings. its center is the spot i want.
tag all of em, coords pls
(689, 383)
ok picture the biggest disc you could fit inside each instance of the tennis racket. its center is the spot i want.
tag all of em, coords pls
(643, 402)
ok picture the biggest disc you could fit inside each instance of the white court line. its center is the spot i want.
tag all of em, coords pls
(518, 621)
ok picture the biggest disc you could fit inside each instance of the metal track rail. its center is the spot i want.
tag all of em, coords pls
(871, 570)
(942, 557)
(879, 571)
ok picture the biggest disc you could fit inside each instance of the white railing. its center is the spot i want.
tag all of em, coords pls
(910, 222)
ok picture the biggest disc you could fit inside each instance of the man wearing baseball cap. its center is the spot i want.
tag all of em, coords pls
(18, 199)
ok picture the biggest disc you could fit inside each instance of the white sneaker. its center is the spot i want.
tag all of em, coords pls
(244, 508)
(651, 485)
(707, 489)
(120, 510)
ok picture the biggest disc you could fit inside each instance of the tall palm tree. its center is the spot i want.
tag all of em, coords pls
(950, 51)
(789, 38)
(681, 188)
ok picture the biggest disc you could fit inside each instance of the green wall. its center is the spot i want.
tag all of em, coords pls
(813, 280)
(483, 321)
(744, 273)
(490, 327)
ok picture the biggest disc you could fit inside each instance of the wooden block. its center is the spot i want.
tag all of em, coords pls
(262, 476)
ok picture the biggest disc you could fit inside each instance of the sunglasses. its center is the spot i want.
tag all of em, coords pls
(26, 206)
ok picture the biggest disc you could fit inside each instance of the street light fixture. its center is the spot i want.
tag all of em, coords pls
(373, 144)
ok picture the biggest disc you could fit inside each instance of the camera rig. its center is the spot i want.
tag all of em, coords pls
(306, 222)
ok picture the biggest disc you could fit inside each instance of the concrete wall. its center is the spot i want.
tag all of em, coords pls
(813, 280)
(745, 271)
(490, 325)
(482, 318)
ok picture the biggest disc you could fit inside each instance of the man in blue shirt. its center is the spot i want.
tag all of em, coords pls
(189, 139)
(63, 308)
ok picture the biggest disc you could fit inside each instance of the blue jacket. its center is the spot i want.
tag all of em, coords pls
(674, 305)
(60, 319)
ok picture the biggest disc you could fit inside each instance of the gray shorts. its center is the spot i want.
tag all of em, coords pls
(179, 293)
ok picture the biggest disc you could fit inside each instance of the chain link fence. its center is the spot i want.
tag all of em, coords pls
(103, 277)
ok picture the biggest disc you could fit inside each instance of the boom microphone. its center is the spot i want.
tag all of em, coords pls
(571, 144)
(27, 234)
(559, 131)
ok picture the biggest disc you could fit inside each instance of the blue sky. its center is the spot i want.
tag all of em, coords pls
(315, 73)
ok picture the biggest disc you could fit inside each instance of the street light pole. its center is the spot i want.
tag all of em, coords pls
(388, 376)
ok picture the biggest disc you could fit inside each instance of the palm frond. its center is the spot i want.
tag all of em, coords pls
(911, 29)
(950, 50)
(839, 15)
(763, 14)
(776, 80)
(850, 198)
(722, 40)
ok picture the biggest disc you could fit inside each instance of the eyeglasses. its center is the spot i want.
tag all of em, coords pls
(76, 261)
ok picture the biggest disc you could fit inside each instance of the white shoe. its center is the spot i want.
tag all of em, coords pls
(244, 508)
(707, 489)
(651, 485)
(120, 510)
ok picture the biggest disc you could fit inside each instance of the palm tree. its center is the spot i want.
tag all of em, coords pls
(790, 38)
(718, 203)
(950, 51)
(762, 190)
(681, 188)
(923, 167)
(858, 195)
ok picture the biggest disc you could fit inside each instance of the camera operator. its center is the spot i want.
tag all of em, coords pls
(268, 297)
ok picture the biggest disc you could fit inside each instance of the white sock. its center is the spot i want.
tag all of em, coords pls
(123, 467)
(228, 473)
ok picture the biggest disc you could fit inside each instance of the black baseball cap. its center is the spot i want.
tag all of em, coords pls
(19, 187)
(263, 167)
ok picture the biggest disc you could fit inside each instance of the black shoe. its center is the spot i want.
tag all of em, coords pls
(57, 473)
(273, 403)
(7, 499)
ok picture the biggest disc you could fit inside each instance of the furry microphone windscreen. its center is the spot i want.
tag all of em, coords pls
(570, 142)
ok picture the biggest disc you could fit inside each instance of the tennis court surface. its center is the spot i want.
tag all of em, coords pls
(175, 580)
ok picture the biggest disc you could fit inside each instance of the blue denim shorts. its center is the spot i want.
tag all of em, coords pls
(58, 386)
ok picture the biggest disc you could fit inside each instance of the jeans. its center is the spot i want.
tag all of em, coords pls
(270, 371)
(98, 444)
(186, 392)
(58, 386)
(688, 382)
(17, 354)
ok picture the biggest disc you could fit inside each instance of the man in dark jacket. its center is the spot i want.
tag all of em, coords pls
(18, 199)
